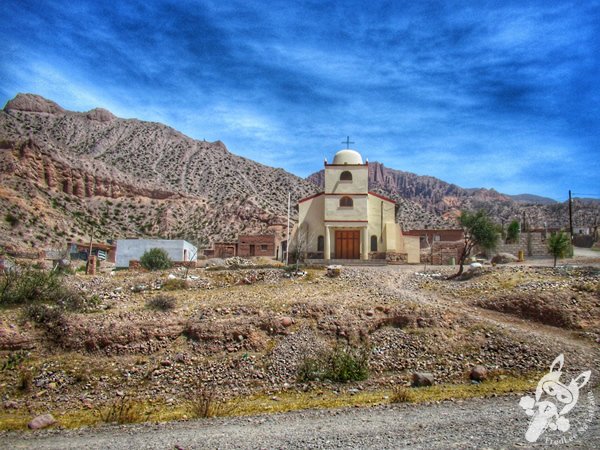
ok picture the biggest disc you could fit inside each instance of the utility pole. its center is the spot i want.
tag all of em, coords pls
(89, 258)
(571, 215)
(287, 244)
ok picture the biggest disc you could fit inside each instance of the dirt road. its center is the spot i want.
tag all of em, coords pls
(479, 423)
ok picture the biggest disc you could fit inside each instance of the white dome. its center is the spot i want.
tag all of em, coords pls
(347, 156)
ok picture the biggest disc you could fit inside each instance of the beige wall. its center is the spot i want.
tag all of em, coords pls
(358, 185)
(377, 209)
(333, 210)
(310, 215)
(412, 248)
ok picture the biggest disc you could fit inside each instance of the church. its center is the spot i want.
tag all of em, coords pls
(347, 222)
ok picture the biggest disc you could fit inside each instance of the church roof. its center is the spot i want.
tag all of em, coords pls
(311, 197)
(347, 156)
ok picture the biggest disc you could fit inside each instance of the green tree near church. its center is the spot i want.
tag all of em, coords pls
(513, 232)
(559, 245)
(479, 231)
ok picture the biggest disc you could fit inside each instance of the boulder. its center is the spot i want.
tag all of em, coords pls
(100, 115)
(478, 373)
(287, 321)
(334, 271)
(504, 258)
(43, 421)
(420, 379)
(33, 103)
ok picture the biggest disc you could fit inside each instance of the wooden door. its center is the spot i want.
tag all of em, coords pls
(347, 244)
(252, 250)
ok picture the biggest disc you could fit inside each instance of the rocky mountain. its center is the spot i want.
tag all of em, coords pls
(535, 199)
(65, 174)
(431, 202)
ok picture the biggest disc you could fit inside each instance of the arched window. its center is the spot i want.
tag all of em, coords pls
(346, 201)
(320, 243)
(373, 243)
(346, 176)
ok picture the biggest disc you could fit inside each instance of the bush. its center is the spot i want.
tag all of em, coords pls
(340, 364)
(123, 411)
(24, 286)
(156, 259)
(205, 403)
(14, 360)
(75, 302)
(25, 381)
(12, 220)
(45, 315)
(559, 245)
(402, 394)
(162, 303)
(174, 284)
(513, 232)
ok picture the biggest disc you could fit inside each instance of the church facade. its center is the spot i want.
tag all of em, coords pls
(348, 222)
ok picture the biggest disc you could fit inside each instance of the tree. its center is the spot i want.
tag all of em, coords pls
(479, 231)
(559, 245)
(512, 232)
(155, 259)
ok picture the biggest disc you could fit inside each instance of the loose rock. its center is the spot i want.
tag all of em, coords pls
(420, 379)
(43, 421)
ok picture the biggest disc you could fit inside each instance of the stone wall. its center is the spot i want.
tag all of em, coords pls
(442, 253)
(396, 258)
(377, 255)
(531, 243)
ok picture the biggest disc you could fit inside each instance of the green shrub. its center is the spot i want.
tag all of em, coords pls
(45, 315)
(340, 364)
(162, 303)
(14, 360)
(513, 232)
(156, 259)
(12, 220)
(174, 284)
(24, 286)
(29, 286)
(559, 246)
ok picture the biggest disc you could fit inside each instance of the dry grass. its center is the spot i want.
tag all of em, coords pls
(206, 403)
(281, 402)
(122, 411)
(402, 394)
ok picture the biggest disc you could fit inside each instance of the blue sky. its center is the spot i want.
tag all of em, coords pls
(499, 94)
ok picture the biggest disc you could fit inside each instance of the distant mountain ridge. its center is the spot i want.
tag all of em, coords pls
(531, 198)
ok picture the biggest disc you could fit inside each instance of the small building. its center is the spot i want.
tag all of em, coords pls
(349, 222)
(132, 250)
(582, 231)
(256, 245)
(223, 250)
(80, 250)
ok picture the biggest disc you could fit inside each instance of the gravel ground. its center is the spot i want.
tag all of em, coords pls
(479, 423)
